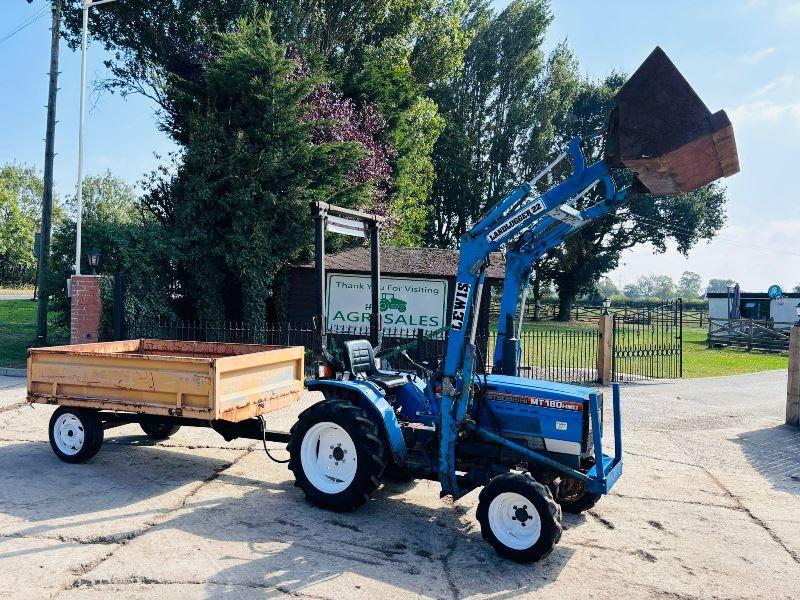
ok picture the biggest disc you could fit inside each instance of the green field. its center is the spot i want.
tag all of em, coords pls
(701, 361)
(562, 343)
(18, 331)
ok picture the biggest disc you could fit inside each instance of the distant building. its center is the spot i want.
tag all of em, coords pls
(757, 306)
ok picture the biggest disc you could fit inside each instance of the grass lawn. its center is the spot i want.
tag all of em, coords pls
(701, 361)
(18, 331)
(552, 346)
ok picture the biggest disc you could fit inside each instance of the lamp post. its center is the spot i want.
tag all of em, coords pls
(606, 305)
(94, 260)
(87, 4)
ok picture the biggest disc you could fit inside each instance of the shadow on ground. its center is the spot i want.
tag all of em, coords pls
(257, 533)
(775, 453)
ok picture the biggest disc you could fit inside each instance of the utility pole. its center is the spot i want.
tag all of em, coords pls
(47, 198)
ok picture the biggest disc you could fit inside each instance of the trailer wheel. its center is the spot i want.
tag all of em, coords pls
(571, 494)
(336, 455)
(75, 435)
(159, 431)
(519, 517)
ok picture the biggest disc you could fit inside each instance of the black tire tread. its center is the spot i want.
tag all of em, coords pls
(525, 484)
(93, 434)
(159, 431)
(364, 432)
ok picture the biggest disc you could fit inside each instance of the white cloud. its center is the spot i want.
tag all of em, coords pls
(758, 56)
(755, 255)
(783, 81)
(761, 111)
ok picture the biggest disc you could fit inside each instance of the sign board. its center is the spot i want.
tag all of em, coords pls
(405, 302)
(774, 291)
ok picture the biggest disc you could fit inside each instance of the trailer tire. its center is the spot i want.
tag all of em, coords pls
(159, 431)
(352, 471)
(75, 434)
(507, 524)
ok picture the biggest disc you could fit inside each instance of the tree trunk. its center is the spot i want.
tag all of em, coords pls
(566, 300)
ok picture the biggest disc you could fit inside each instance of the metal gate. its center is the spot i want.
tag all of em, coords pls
(648, 344)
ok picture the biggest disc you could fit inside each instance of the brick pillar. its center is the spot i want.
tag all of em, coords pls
(85, 309)
(793, 388)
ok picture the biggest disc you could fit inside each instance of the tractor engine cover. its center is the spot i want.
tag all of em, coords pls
(662, 131)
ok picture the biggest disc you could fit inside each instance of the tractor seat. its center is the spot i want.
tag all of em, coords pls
(359, 361)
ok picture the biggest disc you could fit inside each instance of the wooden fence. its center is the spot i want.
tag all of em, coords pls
(748, 334)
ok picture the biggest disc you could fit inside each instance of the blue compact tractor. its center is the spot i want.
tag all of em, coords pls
(534, 447)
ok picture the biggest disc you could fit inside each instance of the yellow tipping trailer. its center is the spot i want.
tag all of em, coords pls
(161, 384)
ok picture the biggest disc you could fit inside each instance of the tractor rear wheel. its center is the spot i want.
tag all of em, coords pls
(571, 494)
(336, 455)
(519, 517)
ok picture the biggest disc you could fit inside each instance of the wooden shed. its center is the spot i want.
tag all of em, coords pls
(417, 269)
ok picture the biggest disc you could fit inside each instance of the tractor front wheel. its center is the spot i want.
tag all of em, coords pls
(519, 517)
(336, 455)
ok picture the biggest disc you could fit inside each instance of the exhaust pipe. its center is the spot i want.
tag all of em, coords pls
(664, 133)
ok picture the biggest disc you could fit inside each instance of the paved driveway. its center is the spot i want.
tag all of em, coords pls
(708, 506)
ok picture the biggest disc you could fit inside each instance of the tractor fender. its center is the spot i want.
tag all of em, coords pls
(370, 397)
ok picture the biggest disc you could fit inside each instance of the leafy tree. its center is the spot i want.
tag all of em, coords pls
(499, 114)
(719, 285)
(380, 52)
(129, 242)
(21, 189)
(689, 285)
(606, 288)
(660, 287)
(263, 137)
(796, 288)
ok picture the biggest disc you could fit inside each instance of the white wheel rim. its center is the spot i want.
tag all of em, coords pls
(514, 520)
(329, 457)
(68, 434)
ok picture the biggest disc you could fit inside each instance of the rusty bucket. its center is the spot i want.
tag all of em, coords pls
(664, 133)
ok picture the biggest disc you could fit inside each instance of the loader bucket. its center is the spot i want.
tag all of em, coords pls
(662, 131)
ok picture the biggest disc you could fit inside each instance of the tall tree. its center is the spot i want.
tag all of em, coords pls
(719, 285)
(606, 288)
(499, 111)
(660, 287)
(689, 285)
(381, 52)
(21, 189)
(264, 136)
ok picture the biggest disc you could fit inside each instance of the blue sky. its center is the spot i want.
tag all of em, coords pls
(741, 56)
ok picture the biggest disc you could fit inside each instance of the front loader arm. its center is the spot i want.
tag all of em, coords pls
(517, 215)
(520, 258)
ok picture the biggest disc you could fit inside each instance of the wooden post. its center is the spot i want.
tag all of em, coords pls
(605, 349)
(793, 387)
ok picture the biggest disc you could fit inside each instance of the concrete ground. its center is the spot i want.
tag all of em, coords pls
(708, 507)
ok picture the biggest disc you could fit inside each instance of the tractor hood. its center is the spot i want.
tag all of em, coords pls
(524, 386)
(662, 131)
